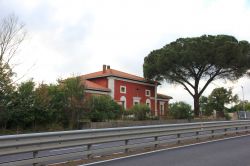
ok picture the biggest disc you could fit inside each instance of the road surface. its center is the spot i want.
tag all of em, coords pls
(230, 152)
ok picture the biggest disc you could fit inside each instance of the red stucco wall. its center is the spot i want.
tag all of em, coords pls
(134, 90)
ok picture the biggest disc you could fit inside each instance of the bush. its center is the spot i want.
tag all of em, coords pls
(227, 116)
(181, 110)
(102, 108)
(140, 111)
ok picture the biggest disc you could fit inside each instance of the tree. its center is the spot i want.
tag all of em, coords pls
(73, 89)
(12, 34)
(102, 108)
(181, 110)
(219, 98)
(241, 106)
(187, 61)
(22, 107)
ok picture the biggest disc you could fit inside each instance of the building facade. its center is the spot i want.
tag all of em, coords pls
(126, 89)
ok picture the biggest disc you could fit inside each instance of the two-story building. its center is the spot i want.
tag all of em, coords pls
(126, 89)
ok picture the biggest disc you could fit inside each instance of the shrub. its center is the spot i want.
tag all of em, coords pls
(140, 111)
(102, 108)
(180, 110)
(227, 116)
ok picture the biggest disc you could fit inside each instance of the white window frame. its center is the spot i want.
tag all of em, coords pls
(147, 90)
(162, 111)
(123, 99)
(136, 100)
(148, 103)
(124, 89)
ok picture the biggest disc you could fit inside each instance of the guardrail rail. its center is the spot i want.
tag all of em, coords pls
(92, 141)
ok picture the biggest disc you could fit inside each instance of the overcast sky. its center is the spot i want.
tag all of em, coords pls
(68, 37)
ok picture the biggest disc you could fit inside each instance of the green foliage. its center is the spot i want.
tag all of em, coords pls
(102, 108)
(140, 111)
(187, 61)
(219, 98)
(240, 107)
(205, 106)
(227, 116)
(46, 105)
(11, 36)
(73, 91)
(180, 110)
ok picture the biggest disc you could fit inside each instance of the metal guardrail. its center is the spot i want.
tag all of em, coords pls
(41, 142)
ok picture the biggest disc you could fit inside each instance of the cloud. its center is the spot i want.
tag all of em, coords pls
(67, 37)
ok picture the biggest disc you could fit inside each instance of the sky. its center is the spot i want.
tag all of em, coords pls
(74, 37)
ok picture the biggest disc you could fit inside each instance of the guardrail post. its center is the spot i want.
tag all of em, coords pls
(126, 143)
(88, 149)
(212, 132)
(225, 130)
(156, 144)
(246, 129)
(34, 156)
(178, 138)
(197, 135)
(236, 130)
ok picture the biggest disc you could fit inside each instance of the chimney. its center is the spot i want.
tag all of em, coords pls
(108, 67)
(103, 68)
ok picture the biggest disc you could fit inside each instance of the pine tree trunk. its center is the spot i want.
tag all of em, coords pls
(196, 106)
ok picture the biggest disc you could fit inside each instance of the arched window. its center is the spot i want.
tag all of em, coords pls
(123, 102)
(148, 103)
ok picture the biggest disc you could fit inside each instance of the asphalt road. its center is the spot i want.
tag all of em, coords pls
(231, 152)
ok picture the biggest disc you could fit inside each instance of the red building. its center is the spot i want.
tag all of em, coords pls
(126, 89)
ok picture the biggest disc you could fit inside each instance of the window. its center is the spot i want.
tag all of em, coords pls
(136, 100)
(122, 89)
(147, 92)
(123, 102)
(162, 108)
(148, 103)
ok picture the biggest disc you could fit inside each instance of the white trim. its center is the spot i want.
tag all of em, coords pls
(97, 92)
(163, 100)
(132, 81)
(161, 150)
(149, 94)
(123, 98)
(125, 89)
(156, 112)
(111, 86)
(136, 100)
(148, 102)
(162, 111)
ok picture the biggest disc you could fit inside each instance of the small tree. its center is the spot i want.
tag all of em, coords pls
(140, 111)
(12, 34)
(103, 108)
(74, 92)
(181, 110)
(219, 98)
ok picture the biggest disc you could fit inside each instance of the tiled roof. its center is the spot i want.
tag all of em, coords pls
(112, 72)
(93, 86)
(161, 96)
